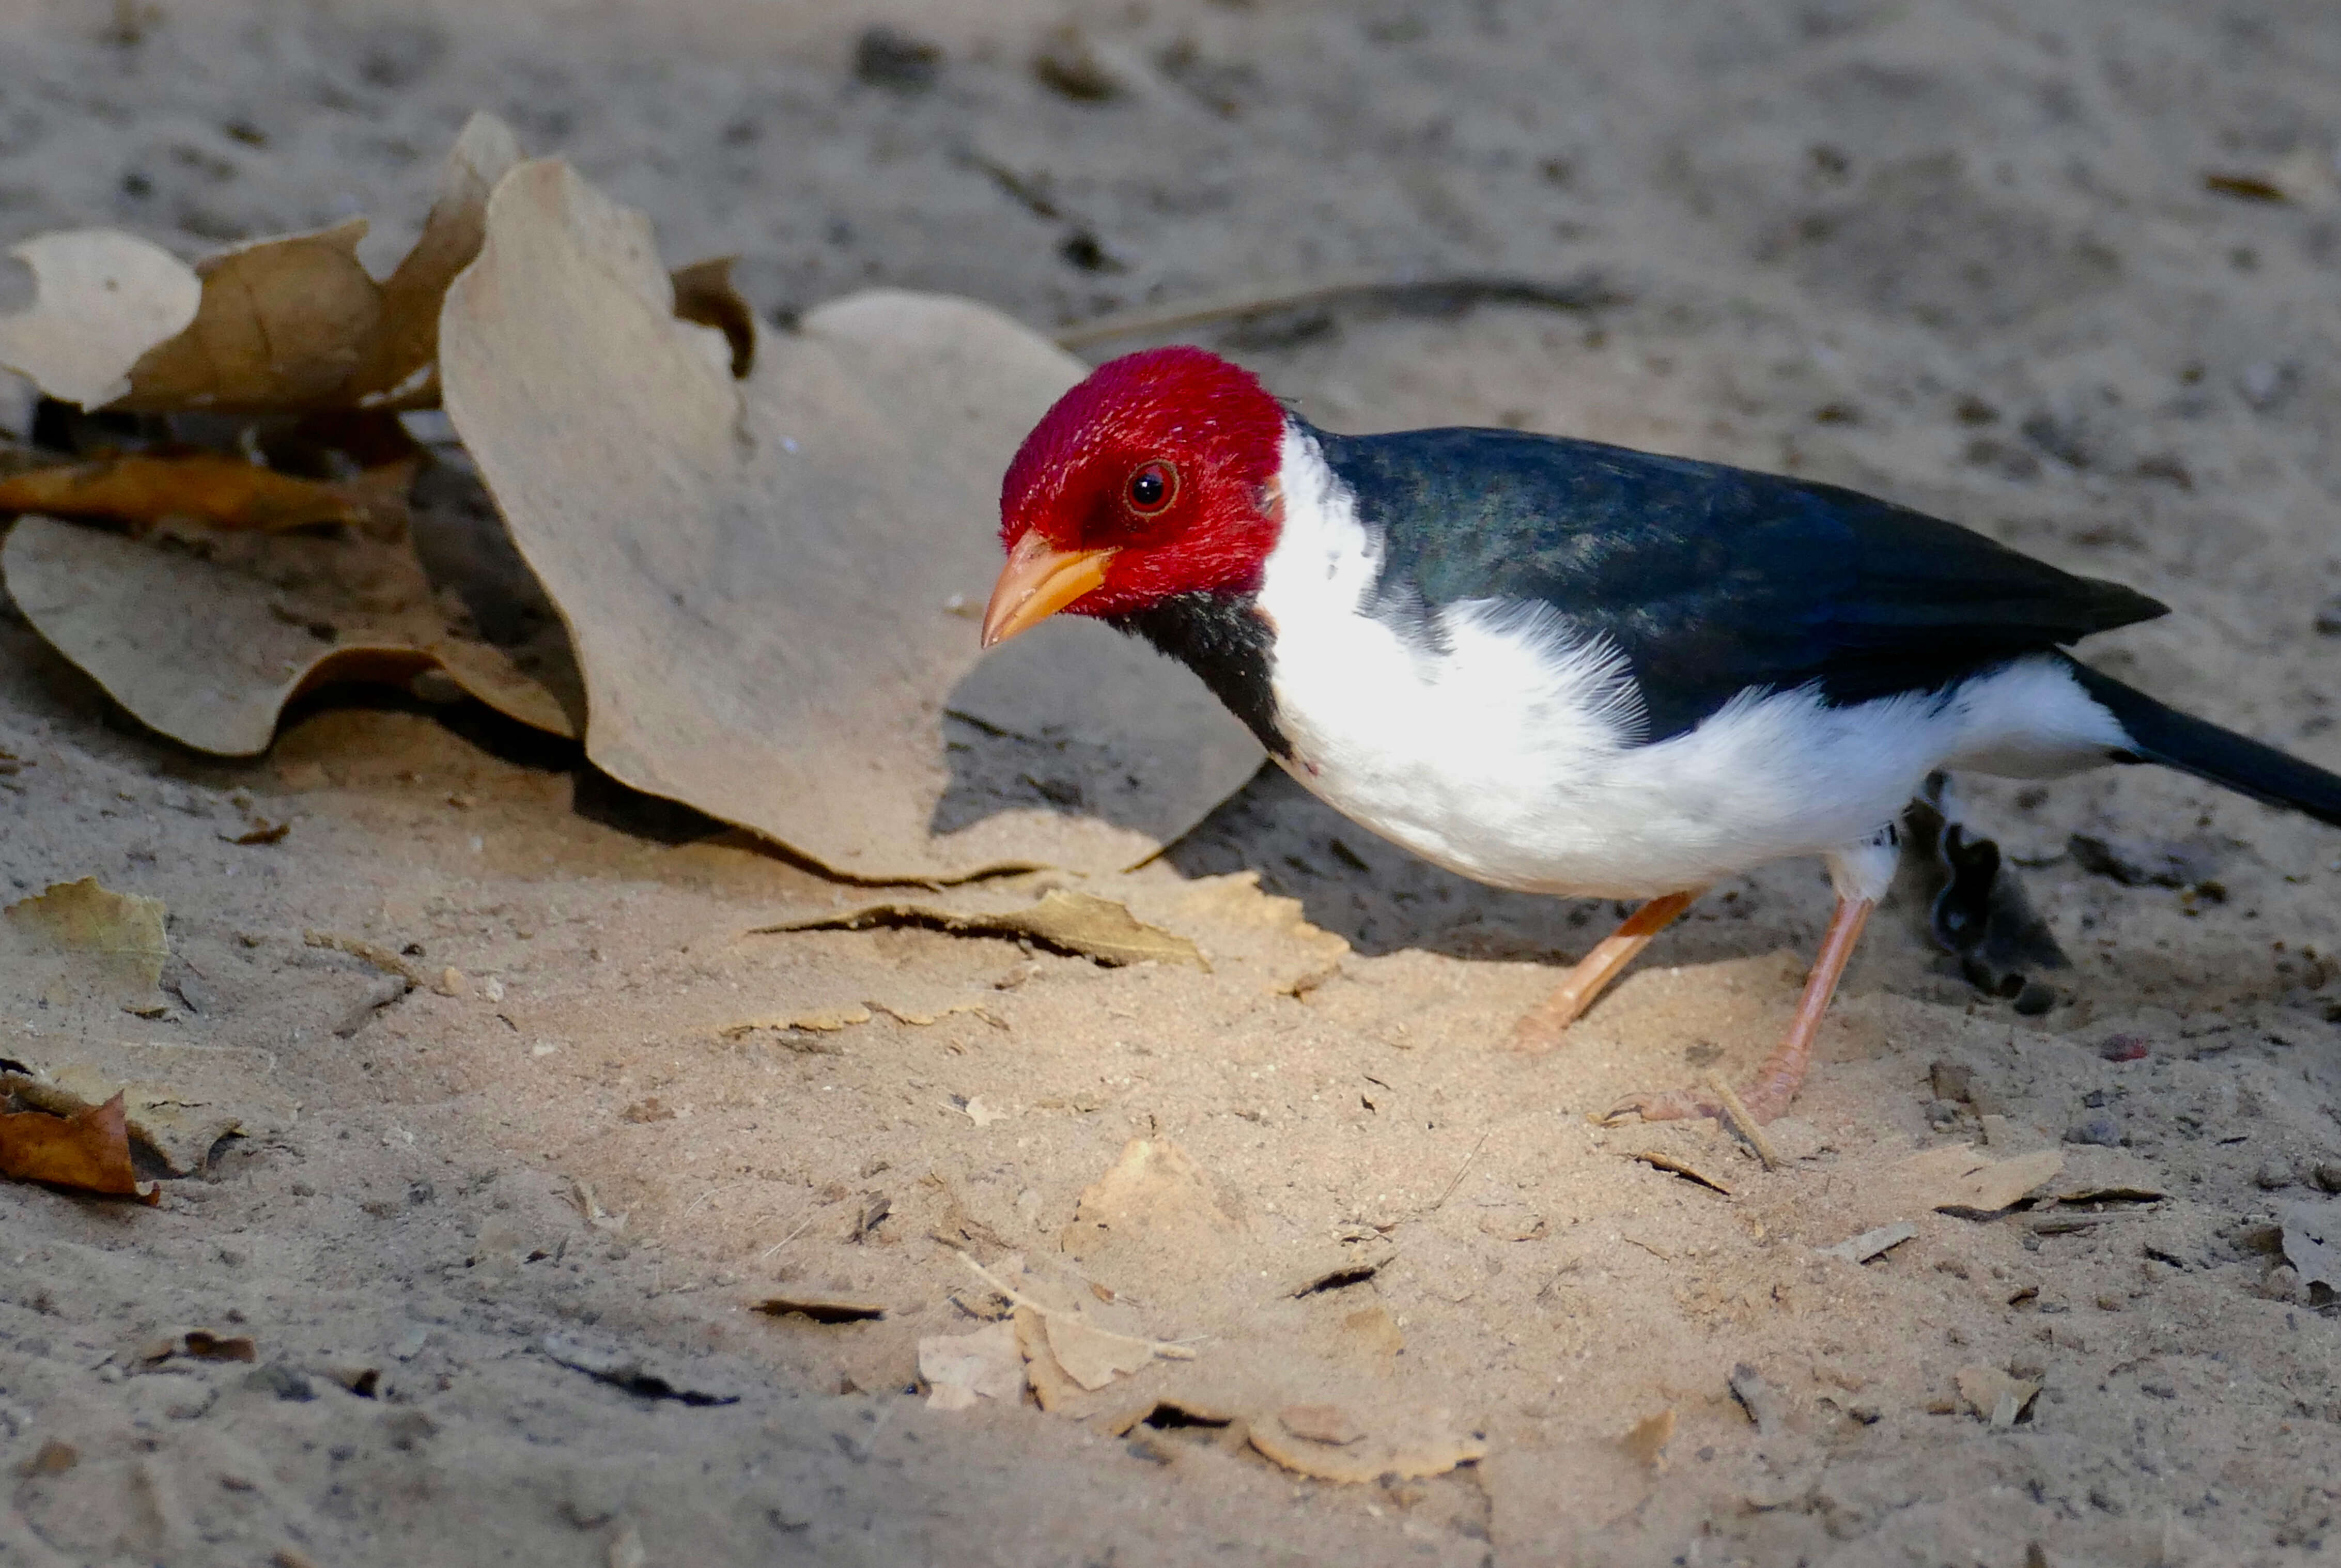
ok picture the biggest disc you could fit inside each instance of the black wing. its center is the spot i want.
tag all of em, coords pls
(1709, 579)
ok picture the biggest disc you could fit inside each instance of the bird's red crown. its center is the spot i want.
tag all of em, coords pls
(1157, 475)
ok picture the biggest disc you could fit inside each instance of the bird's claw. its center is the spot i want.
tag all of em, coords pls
(1675, 1105)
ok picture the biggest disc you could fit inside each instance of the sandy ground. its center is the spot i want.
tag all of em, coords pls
(1960, 253)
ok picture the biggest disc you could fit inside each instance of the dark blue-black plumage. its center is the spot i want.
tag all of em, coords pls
(1710, 580)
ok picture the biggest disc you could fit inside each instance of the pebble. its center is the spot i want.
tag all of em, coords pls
(2327, 1175)
(2124, 1048)
(2102, 1131)
(2328, 617)
(2272, 1177)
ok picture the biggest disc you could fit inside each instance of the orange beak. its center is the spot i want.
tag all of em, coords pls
(1039, 581)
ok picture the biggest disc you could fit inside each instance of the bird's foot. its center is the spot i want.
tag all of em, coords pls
(1768, 1097)
(1541, 1028)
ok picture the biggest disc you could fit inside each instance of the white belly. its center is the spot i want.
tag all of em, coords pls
(1500, 749)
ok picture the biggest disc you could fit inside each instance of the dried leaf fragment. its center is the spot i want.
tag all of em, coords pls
(179, 1099)
(819, 1020)
(1327, 1424)
(1646, 1440)
(1081, 924)
(1994, 1397)
(959, 1369)
(288, 324)
(211, 489)
(112, 940)
(1871, 1243)
(1961, 1178)
(88, 1152)
(1409, 1442)
(2312, 1241)
(198, 1344)
(104, 300)
(208, 644)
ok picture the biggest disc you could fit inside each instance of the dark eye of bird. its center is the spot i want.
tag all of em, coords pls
(1152, 488)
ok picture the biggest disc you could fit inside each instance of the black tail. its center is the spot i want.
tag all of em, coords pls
(2176, 740)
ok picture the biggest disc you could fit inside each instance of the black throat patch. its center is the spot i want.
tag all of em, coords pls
(1224, 639)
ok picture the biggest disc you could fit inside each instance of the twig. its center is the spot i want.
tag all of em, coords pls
(373, 952)
(1749, 1128)
(1162, 1348)
(792, 1235)
(1587, 291)
(1458, 1173)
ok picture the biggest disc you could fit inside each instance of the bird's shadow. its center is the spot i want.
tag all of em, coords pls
(1382, 899)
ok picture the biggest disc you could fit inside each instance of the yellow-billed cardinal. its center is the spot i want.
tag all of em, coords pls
(1564, 667)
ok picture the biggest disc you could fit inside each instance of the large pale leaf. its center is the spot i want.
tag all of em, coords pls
(206, 640)
(770, 582)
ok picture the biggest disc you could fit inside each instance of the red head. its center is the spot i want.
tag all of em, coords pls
(1155, 476)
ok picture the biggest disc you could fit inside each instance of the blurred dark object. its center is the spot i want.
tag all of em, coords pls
(886, 58)
(1976, 908)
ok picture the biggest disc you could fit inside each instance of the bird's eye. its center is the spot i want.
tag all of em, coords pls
(1153, 488)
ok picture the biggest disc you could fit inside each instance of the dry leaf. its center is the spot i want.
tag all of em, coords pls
(397, 365)
(1332, 1264)
(766, 580)
(212, 489)
(208, 643)
(1154, 1198)
(2312, 1243)
(1961, 1177)
(1091, 1356)
(1052, 1384)
(1406, 1443)
(289, 323)
(1873, 1243)
(103, 300)
(959, 1369)
(1994, 1396)
(179, 1100)
(1646, 1440)
(88, 1152)
(1080, 924)
(820, 1019)
(198, 1344)
(113, 942)
(1326, 1423)
(283, 324)
(79, 939)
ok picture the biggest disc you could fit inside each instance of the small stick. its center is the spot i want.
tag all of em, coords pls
(1749, 1128)
(373, 952)
(1458, 1175)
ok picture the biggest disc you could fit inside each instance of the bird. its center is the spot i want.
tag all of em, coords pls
(1561, 666)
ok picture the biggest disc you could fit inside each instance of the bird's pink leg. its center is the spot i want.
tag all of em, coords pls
(1778, 1077)
(1541, 1029)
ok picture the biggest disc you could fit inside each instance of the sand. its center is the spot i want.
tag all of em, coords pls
(1960, 255)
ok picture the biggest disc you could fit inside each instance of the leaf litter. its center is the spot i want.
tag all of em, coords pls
(787, 656)
(88, 1152)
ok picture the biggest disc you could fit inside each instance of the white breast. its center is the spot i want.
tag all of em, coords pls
(1505, 750)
